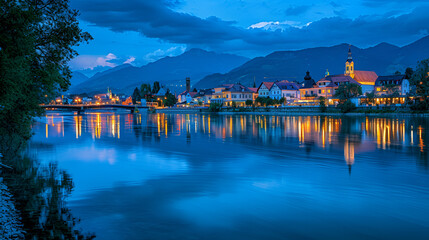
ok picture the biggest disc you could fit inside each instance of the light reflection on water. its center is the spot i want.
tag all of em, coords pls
(191, 176)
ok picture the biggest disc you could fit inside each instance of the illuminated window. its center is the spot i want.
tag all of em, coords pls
(329, 90)
(378, 89)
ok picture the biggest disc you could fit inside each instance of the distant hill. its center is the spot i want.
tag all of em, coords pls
(77, 78)
(292, 65)
(169, 71)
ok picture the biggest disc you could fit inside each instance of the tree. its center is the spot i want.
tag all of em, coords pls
(146, 92)
(170, 99)
(156, 87)
(195, 90)
(265, 101)
(249, 102)
(370, 96)
(322, 104)
(136, 95)
(420, 81)
(346, 106)
(215, 107)
(37, 40)
(347, 91)
(409, 73)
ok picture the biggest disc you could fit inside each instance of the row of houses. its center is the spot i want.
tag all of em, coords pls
(306, 92)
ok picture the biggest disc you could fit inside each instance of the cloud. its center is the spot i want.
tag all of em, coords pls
(159, 53)
(157, 19)
(91, 62)
(129, 60)
(274, 26)
(297, 10)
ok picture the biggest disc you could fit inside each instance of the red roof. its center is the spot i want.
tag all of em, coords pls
(193, 93)
(268, 84)
(253, 89)
(365, 77)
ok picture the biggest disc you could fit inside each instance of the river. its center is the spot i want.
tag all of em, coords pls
(196, 176)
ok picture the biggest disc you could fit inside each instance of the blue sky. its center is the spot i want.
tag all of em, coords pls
(142, 31)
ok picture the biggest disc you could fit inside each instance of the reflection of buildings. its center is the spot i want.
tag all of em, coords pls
(349, 136)
(349, 153)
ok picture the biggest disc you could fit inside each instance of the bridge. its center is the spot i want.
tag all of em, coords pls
(80, 108)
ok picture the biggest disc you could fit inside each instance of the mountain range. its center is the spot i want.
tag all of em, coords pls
(383, 58)
(169, 71)
(209, 69)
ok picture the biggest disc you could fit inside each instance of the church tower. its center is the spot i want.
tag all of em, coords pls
(350, 65)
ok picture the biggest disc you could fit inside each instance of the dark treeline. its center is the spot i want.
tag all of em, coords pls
(37, 40)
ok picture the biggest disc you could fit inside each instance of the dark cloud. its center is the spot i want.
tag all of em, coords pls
(334, 4)
(297, 10)
(382, 3)
(157, 19)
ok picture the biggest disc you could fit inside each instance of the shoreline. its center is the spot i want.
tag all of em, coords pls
(285, 112)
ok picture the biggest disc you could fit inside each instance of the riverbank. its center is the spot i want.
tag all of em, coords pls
(10, 224)
(299, 111)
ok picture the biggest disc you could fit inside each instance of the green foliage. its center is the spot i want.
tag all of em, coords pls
(409, 73)
(370, 97)
(346, 106)
(420, 81)
(249, 102)
(347, 91)
(38, 190)
(156, 87)
(322, 104)
(136, 95)
(37, 40)
(265, 101)
(145, 91)
(170, 99)
(215, 107)
(233, 104)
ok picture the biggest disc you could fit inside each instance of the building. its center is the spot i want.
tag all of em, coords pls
(365, 78)
(186, 97)
(232, 94)
(328, 85)
(285, 89)
(264, 89)
(204, 96)
(392, 85)
(308, 89)
(254, 92)
(162, 92)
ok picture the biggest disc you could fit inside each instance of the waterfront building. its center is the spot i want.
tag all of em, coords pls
(264, 89)
(230, 94)
(285, 89)
(366, 79)
(309, 88)
(254, 92)
(392, 85)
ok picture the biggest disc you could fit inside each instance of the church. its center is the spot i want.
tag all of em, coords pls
(326, 86)
(365, 78)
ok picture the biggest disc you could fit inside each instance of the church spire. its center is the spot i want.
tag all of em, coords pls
(350, 65)
(349, 58)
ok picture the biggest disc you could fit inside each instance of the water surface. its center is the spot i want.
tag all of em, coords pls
(188, 176)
